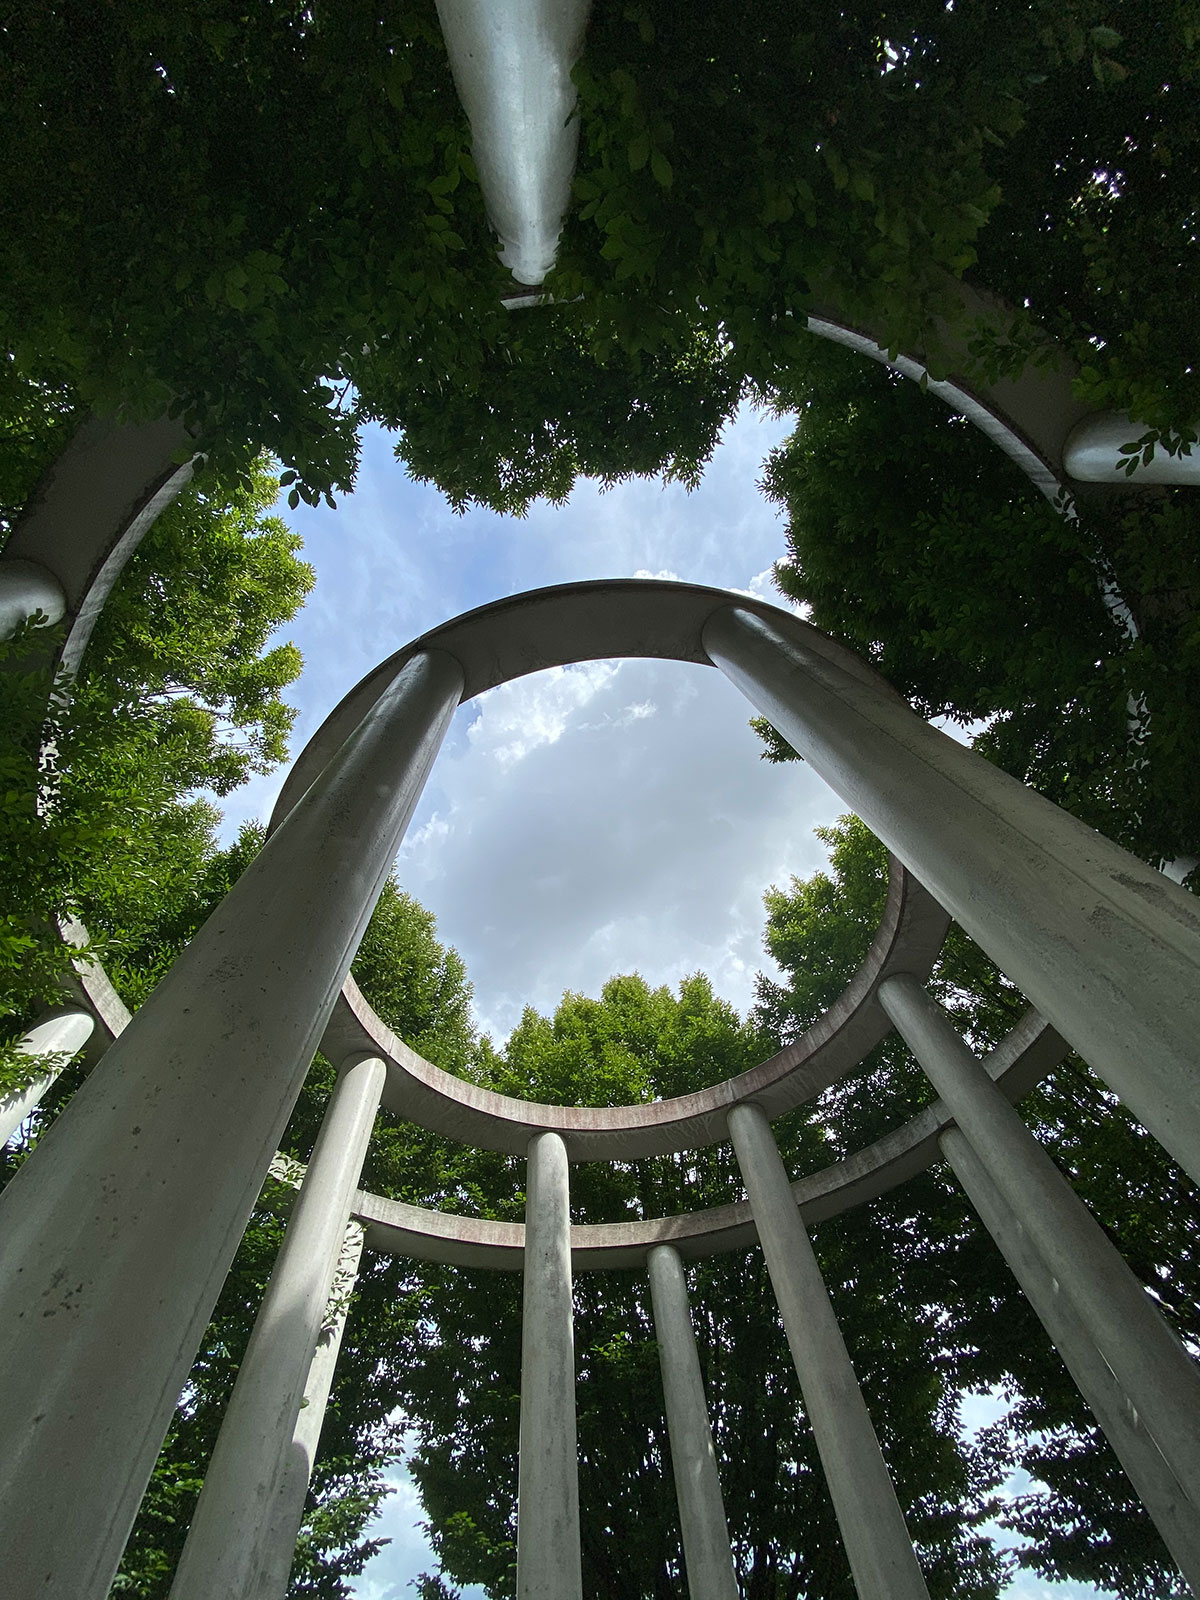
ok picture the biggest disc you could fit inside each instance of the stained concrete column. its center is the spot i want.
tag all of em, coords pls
(882, 1560)
(232, 1543)
(548, 1561)
(1155, 1483)
(1093, 454)
(291, 1490)
(61, 1033)
(117, 1233)
(706, 1552)
(1149, 1363)
(1104, 946)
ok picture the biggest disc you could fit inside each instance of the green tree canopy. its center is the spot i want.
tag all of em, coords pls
(244, 212)
(913, 539)
(459, 1371)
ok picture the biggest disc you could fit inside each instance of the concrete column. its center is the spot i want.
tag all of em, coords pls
(287, 1510)
(26, 587)
(61, 1033)
(882, 1560)
(548, 1561)
(1155, 1483)
(1104, 946)
(512, 62)
(1148, 1362)
(115, 1236)
(707, 1556)
(230, 1545)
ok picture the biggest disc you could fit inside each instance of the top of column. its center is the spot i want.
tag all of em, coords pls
(512, 62)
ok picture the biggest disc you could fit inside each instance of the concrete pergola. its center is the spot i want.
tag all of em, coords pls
(118, 1232)
(138, 1195)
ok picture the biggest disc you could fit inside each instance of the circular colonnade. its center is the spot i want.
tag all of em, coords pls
(196, 1089)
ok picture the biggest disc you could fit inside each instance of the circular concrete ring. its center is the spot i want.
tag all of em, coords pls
(1017, 1064)
(587, 622)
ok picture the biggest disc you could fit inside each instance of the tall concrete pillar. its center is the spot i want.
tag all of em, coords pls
(512, 62)
(1149, 1363)
(116, 1235)
(233, 1545)
(548, 1559)
(882, 1560)
(291, 1491)
(61, 1033)
(706, 1552)
(1155, 1483)
(1105, 947)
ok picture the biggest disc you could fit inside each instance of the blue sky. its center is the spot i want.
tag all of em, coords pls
(600, 819)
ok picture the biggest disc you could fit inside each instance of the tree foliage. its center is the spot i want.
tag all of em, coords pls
(913, 539)
(240, 197)
(929, 1311)
(738, 167)
(253, 210)
(181, 691)
(460, 1371)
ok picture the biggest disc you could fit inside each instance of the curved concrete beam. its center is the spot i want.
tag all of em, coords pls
(553, 627)
(1035, 418)
(597, 621)
(1029, 417)
(909, 938)
(1017, 1064)
(512, 62)
(91, 510)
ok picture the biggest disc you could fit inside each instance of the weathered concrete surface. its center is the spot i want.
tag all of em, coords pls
(909, 938)
(1156, 1485)
(115, 1236)
(706, 1552)
(27, 589)
(237, 1543)
(1016, 1064)
(512, 62)
(548, 1556)
(1105, 947)
(880, 1551)
(62, 1033)
(91, 510)
(1146, 1358)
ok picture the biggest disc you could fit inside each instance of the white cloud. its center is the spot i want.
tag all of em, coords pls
(609, 818)
(523, 715)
